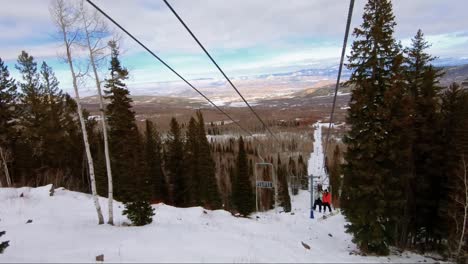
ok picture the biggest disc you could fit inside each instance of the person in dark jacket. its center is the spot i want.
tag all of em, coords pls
(318, 202)
(326, 201)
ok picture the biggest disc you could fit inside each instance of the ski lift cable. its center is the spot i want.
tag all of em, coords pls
(167, 66)
(220, 70)
(343, 53)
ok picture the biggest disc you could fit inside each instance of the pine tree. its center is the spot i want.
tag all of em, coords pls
(371, 60)
(139, 212)
(8, 114)
(123, 132)
(175, 164)
(397, 109)
(283, 192)
(124, 137)
(8, 107)
(33, 114)
(303, 173)
(424, 183)
(454, 123)
(154, 169)
(95, 137)
(193, 159)
(51, 129)
(230, 197)
(131, 185)
(72, 142)
(335, 173)
(243, 196)
(292, 166)
(209, 191)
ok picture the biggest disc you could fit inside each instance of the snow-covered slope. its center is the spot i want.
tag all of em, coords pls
(316, 165)
(64, 229)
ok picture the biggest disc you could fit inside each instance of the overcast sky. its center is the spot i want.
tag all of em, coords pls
(245, 36)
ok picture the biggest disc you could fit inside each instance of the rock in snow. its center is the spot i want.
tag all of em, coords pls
(100, 257)
(305, 245)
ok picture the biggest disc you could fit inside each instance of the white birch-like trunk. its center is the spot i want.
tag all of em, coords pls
(103, 122)
(5, 169)
(86, 142)
(60, 17)
(465, 215)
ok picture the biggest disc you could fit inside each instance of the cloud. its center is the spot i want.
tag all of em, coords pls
(245, 36)
(222, 25)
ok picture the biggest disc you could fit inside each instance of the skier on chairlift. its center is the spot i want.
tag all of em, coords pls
(326, 201)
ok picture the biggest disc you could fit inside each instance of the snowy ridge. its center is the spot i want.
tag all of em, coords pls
(64, 229)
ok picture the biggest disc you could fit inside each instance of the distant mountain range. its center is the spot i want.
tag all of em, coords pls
(255, 86)
(310, 81)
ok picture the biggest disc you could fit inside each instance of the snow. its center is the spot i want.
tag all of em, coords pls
(241, 104)
(64, 229)
(316, 165)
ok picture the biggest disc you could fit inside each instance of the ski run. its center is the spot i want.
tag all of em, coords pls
(63, 228)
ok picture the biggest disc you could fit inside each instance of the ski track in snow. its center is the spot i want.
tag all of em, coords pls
(64, 229)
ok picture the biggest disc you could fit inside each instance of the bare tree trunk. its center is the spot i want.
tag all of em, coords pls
(92, 49)
(65, 22)
(465, 214)
(5, 168)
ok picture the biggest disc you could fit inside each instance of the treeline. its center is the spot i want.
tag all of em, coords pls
(42, 144)
(290, 168)
(40, 138)
(405, 166)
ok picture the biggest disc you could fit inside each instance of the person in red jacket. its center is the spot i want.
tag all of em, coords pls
(326, 201)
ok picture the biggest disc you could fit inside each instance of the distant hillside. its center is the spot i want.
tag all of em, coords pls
(326, 90)
(142, 100)
(454, 74)
(278, 87)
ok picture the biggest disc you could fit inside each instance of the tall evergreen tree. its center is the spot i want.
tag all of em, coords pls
(97, 144)
(123, 132)
(33, 114)
(424, 183)
(283, 192)
(208, 185)
(454, 123)
(48, 129)
(192, 159)
(303, 173)
(175, 164)
(335, 173)
(154, 169)
(397, 112)
(43, 108)
(292, 166)
(72, 142)
(127, 161)
(243, 195)
(372, 57)
(8, 107)
(51, 128)
(8, 115)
